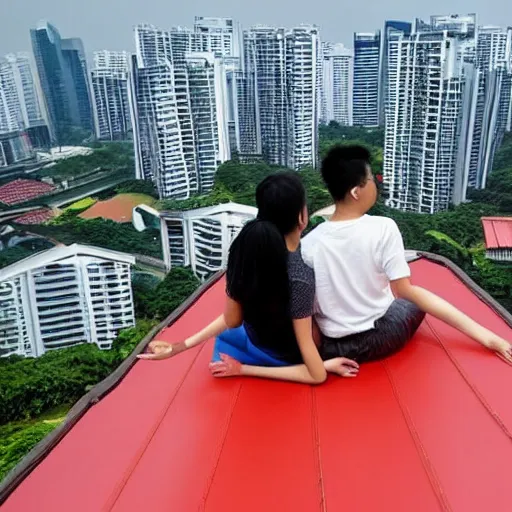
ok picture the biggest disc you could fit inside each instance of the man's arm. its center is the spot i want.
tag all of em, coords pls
(443, 310)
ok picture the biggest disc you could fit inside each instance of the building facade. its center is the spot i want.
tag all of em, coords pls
(179, 94)
(338, 70)
(109, 80)
(63, 297)
(201, 238)
(426, 87)
(64, 82)
(366, 88)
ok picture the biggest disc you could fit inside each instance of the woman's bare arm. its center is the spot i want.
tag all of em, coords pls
(232, 317)
(313, 371)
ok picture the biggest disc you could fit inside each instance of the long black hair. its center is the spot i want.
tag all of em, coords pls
(257, 273)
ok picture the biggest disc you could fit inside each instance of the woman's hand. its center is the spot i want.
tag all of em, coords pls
(226, 367)
(342, 366)
(158, 350)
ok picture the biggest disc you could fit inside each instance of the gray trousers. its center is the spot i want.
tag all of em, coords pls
(390, 334)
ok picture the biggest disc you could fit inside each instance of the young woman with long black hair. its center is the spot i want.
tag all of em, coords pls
(266, 329)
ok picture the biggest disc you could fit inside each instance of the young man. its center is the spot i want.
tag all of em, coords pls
(267, 328)
(366, 307)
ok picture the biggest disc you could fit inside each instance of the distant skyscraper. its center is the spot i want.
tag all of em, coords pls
(426, 86)
(271, 88)
(303, 56)
(63, 77)
(248, 104)
(11, 117)
(366, 79)
(110, 95)
(224, 38)
(338, 69)
(32, 113)
(167, 121)
(288, 93)
(74, 56)
(390, 27)
(207, 86)
(488, 108)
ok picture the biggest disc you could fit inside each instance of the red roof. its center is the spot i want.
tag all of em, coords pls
(19, 191)
(35, 216)
(428, 429)
(498, 232)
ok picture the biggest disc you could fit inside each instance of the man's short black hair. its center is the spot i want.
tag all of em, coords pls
(280, 199)
(344, 168)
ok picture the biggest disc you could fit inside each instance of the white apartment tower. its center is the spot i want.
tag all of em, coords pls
(20, 93)
(201, 238)
(338, 70)
(111, 108)
(303, 55)
(272, 92)
(167, 121)
(426, 86)
(288, 82)
(63, 297)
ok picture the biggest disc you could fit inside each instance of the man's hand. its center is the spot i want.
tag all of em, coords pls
(158, 350)
(502, 348)
(342, 366)
(226, 367)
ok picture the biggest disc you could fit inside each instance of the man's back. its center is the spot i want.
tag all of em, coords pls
(354, 261)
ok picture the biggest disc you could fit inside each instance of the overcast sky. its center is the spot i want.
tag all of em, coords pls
(108, 24)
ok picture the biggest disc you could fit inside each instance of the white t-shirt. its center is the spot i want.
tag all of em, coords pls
(354, 261)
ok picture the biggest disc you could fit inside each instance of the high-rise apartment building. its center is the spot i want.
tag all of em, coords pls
(63, 297)
(287, 81)
(338, 69)
(63, 76)
(303, 58)
(426, 87)
(272, 92)
(109, 80)
(224, 38)
(179, 97)
(24, 94)
(390, 27)
(366, 84)
(201, 238)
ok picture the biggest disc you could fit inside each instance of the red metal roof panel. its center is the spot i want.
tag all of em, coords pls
(427, 429)
(497, 232)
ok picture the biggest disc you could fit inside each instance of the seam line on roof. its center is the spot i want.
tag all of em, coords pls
(206, 493)
(116, 493)
(425, 460)
(496, 417)
(316, 441)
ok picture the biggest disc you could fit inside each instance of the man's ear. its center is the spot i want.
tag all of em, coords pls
(354, 193)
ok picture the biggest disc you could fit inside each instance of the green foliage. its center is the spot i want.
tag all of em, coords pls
(14, 254)
(31, 386)
(157, 303)
(16, 444)
(128, 339)
(137, 187)
(112, 157)
(366, 136)
(70, 229)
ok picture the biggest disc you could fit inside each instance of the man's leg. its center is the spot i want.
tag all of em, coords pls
(390, 334)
